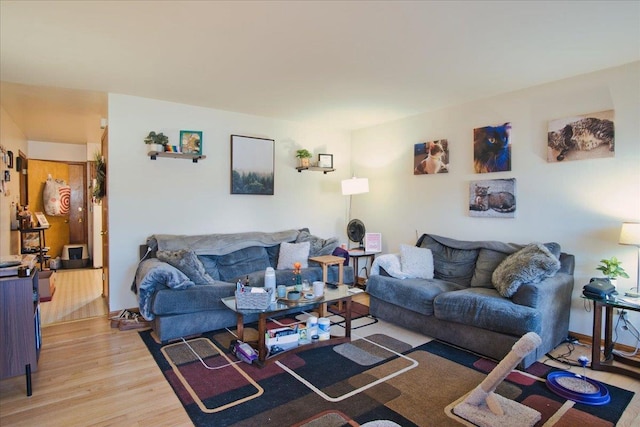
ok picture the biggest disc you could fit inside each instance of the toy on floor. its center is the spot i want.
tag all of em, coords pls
(485, 408)
(577, 387)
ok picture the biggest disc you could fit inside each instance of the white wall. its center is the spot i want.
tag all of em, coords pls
(176, 196)
(11, 138)
(580, 204)
(56, 151)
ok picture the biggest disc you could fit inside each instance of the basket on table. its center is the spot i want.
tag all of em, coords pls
(248, 300)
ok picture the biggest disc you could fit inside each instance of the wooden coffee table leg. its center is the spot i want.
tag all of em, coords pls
(262, 330)
(347, 318)
(240, 326)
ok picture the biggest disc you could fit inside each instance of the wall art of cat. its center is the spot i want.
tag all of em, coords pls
(581, 137)
(431, 157)
(493, 198)
(492, 148)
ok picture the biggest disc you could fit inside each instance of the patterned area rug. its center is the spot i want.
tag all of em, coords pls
(374, 377)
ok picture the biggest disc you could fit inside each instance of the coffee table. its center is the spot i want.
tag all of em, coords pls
(340, 294)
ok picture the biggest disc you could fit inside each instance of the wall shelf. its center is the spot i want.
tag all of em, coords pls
(193, 157)
(315, 169)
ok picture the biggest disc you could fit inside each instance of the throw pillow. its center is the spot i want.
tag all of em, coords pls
(293, 252)
(188, 263)
(530, 264)
(416, 262)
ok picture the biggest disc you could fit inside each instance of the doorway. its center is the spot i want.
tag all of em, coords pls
(67, 229)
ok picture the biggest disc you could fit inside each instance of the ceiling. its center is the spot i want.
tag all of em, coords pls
(335, 64)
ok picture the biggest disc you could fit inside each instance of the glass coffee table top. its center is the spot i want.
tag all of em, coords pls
(330, 295)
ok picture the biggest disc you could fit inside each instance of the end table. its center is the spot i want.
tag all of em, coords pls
(356, 254)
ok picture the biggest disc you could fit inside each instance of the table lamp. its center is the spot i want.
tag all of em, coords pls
(630, 235)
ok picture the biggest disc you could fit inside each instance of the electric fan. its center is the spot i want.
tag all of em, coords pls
(356, 231)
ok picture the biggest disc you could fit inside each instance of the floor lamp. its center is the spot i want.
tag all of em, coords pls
(354, 186)
(630, 235)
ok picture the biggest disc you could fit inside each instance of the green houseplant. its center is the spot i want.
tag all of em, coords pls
(156, 141)
(612, 269)
(304, 155)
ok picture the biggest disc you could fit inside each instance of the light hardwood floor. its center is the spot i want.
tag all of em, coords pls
(91, 374)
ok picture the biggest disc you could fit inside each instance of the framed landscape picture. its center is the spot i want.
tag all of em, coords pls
(190, 142)
(252, 165)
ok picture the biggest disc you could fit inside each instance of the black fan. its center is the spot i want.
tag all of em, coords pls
(356, 231)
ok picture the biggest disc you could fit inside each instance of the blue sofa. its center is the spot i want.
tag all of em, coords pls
(181, 279)
(461, 306)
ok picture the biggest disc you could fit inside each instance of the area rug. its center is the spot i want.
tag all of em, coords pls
(374, 377)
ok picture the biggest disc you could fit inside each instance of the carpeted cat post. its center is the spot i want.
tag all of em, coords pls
(485, 408)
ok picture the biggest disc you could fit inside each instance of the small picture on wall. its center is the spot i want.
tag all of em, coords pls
(492, 148)
(190, 142)
(431, 157)
(494, 198)
(588, 136)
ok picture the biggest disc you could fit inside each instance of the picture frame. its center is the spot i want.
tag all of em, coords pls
(252, 165)
(190, 142)
(42, 219)
(581, 137)
(492, 148)
(373, 242)
(325, 161)
(493, 198)
(431, 157)
(30, 241)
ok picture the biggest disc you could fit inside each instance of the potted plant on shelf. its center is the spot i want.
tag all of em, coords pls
(304, 155)
(156, 141)
(612, 269)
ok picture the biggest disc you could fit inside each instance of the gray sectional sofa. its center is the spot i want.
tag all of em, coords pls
(462, 306)
(181, 279)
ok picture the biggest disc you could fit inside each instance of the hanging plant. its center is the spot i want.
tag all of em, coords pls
(100, 188)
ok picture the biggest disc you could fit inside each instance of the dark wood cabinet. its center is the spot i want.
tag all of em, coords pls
(20, 334)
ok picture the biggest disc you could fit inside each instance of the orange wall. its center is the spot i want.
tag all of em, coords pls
(58, 234)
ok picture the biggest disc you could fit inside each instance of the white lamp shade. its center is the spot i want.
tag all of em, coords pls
(355, 186)
(630, 234)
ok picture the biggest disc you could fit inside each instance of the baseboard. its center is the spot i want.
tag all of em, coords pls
(586, 339)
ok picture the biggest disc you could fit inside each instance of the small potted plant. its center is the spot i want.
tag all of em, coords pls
(304, 155)
(156, 141)
(612, 269)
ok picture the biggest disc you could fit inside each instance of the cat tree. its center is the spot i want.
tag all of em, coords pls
(484, 408)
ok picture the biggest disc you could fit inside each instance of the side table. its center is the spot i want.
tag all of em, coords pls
(326, 261)
(597, 364)
(368, 260)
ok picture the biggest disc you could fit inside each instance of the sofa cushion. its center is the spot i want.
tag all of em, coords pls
(187, 262)
(450, 264)
(487, 262)
(291, 253)
(413, 294)
(317, 245)
(486, 309)
(416, 262)
(531, 264)
(242, 262)
(210, 264)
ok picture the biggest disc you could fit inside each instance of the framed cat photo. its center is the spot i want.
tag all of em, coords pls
(431, 157)
(493, 198)
(492, 148)
(587, 136)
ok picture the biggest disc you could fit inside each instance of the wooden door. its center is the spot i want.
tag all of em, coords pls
(78, 232)
(105, 220)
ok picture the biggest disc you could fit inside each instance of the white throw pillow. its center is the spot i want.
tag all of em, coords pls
(416, 262)
(293, 252)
